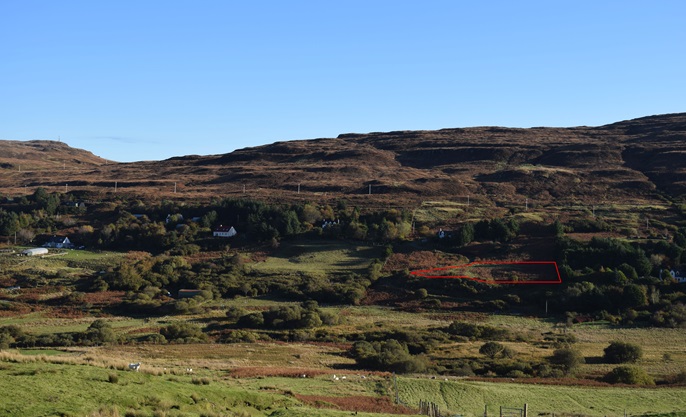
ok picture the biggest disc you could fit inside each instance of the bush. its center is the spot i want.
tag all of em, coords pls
(252, 321)
(475, 331)
(155, 339)
(389, 355)
(183, 333)
(622, 352)
(492, 349)
(568, 358)
(629, 375)
(113, 378)
(234, 313)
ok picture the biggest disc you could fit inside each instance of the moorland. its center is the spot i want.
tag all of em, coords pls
(312, 308)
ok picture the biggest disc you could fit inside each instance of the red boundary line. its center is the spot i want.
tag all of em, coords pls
(426, 273)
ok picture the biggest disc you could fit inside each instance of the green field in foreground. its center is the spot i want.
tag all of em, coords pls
(470, 397)
(47, 389)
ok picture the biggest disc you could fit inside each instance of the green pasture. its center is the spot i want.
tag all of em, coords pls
(469, 398)
(317, 258)
(49, 389)
(44, 389)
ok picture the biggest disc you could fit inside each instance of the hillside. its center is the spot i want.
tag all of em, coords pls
(630, 162)
(43, 155)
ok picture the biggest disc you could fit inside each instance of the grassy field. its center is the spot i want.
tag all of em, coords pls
(470, 397)
(317, 258)
(39, 387)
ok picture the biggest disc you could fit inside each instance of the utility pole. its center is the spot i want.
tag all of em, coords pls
(467, 200)
(298, 188)
(66, 188)
(174, 188)
(115, 186)
(370, 189)
(526, 205)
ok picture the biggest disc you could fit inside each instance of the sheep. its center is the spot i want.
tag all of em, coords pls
(134, 366)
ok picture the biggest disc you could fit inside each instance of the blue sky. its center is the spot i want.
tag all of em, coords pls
(141, 80)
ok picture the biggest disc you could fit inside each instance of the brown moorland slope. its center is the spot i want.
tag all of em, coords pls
(633, 161)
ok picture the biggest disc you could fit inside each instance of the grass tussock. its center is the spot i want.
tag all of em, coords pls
(105, 412)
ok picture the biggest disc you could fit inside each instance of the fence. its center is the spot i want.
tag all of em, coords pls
(430, 409)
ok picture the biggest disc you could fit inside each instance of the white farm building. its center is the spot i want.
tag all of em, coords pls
(35, 252)
(222, 231)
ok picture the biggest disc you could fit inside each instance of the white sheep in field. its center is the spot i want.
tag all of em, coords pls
(134, 366)
(189, 370)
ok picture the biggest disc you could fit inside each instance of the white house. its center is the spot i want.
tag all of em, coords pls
(677, 275)
(222, 231)
(58, 242)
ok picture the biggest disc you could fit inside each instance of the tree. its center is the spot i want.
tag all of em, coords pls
(635, 296)
(622, 352)
(465, 234)
(26, 235)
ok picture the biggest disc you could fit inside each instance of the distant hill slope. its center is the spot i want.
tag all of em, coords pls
(43, 154)
(629, 161)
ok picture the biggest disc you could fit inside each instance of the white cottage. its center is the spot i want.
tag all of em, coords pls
(222, 231)
(58, 242)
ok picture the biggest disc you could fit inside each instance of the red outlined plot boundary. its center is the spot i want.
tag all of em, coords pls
(434, 273)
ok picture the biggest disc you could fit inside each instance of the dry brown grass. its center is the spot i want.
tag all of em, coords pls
(85, 359)
(253, 371)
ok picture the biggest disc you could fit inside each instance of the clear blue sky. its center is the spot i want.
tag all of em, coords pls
(139, 80)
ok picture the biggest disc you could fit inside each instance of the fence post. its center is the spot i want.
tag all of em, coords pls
(526, 409)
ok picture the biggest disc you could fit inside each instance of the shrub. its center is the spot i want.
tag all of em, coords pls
(475, 331)
(183, 333)
(568, 358)
(234, 313)
(155, 339)
(389, 355)
(629, 375)
(622, 352)
(492, 349)
(240, 336)
(252, 321)
(113, 378)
